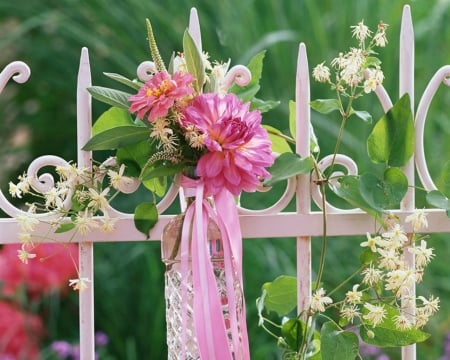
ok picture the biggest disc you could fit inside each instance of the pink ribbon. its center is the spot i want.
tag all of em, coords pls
(210, 326)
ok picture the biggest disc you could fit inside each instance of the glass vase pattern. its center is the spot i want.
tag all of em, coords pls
(170, 249)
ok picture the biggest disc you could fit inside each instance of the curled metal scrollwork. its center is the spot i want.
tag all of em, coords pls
(342, 160)
(17, 70)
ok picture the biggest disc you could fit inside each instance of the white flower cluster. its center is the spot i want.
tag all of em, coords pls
(79, 201)
(388, 279)
(358, 70)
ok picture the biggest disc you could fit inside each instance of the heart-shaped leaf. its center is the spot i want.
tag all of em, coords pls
(386, 193)
(145, 217)
(392, 138)
(281, 294)
(338, 344)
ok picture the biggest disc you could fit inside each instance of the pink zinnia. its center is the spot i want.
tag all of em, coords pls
(159, 94)
(238, 146)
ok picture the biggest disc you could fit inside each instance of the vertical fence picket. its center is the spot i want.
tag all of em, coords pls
(406, 86)
(86, 249)
(303, 196)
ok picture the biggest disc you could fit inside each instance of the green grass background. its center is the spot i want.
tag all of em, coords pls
(38, 118)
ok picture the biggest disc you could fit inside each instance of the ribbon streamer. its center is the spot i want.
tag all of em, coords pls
(209, 322)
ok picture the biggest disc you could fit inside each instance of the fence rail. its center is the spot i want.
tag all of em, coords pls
(272, 222)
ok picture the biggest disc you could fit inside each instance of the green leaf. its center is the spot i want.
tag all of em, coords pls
(161, 170)
(110, 96)
(263, 105)
(314, 144)
(117, 137)
(293, 119)
(443, 180)
(138, 154)
(349, 190)
(194, 60)
(293, 332)
(145, 217)
(367, 256)
(65, 227)
(279, 144)
(325, 106)
(123, 80)
(439, 200)
(111, 118)
(286, 166)
(392, 138)
(338, 344)
(387, 334)
(363, 115)
(157, 185)
(386, 193)
(372, 61)
(281, 294)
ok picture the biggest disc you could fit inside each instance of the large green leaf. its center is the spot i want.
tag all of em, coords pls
(111, 118)
(392, 138)
(349, 190)
(110, 96)
(288, 165)
(387, 334)
(145, 217)
(279, 143)
(194, 60)
(338, 344)
(438, 199)
(117, 137)
(386, 193)
(293, 332)
(281, 294)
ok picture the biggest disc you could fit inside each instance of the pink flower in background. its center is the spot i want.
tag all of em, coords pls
(20, 333)
(159, 94)
(49, 271)
(238, 147)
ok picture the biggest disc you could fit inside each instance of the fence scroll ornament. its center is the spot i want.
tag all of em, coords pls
(194, 127)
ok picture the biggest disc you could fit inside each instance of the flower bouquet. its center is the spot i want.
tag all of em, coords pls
(193, 124)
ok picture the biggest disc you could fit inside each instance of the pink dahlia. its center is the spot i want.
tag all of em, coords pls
(159, 94)
(238, 147)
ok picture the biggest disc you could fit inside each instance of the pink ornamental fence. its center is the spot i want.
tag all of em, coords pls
(270, 222)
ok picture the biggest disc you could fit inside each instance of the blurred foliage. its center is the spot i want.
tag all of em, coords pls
(39, 118)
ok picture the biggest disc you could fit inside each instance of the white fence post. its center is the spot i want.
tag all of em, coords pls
(86, 249)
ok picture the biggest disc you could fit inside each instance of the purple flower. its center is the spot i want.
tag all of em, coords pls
(101, 339)
(62, 348)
